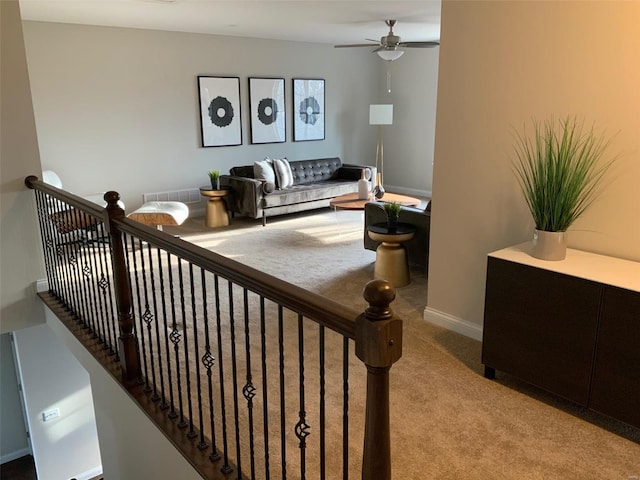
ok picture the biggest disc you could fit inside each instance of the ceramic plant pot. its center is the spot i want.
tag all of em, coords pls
(549, 245)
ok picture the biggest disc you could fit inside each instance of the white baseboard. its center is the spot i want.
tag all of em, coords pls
(8, 457)
(408, 191)
(455, 324)
(42, 285)
(89, 474)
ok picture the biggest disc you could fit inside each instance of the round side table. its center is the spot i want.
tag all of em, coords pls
(391, 256)
(217, 214)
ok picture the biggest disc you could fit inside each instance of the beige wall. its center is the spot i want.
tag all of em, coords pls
(502, 63)
(19, 157)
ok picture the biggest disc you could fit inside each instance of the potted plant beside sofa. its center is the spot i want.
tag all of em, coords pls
(214, 177)
(392, 211)
(559, 172)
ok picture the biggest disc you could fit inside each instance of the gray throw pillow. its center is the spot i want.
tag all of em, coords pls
(263, 170)
(284, 176)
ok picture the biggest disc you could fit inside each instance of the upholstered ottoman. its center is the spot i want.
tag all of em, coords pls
(158, 214)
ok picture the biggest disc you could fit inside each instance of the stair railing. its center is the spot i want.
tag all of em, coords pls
(212, 348)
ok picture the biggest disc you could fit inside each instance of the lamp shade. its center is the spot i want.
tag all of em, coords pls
(380, 114)
(390, 55)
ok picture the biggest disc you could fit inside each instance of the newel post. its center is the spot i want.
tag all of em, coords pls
(127, 341)
(378, 345)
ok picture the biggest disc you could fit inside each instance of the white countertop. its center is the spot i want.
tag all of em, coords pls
(590, 266)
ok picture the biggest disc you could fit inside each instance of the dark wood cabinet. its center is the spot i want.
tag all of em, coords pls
(564, 327)
(616, 374)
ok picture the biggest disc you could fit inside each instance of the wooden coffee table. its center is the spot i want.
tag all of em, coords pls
(350, 201)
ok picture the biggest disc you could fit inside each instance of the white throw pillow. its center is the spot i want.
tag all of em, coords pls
(284, 176)
(263, 170)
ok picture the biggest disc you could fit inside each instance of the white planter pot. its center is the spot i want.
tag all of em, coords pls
(549, 245)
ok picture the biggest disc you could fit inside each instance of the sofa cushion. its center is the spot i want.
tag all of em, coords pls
(284, 177)
(318, 170)
(308, 193)
(263, 170)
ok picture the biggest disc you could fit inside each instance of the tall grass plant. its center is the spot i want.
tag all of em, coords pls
(559, 170)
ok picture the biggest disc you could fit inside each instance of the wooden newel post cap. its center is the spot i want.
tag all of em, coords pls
(379, 294)
(378, 332)
(112, 199)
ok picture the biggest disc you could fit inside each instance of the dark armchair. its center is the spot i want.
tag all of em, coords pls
(418, 247)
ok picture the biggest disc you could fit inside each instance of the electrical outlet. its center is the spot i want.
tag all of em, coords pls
(50, 414)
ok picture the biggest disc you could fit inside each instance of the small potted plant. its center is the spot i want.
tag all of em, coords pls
(214, 176)
(559, 171)
(392, 210)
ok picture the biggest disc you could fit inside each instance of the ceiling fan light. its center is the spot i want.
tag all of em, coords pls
(390, 55)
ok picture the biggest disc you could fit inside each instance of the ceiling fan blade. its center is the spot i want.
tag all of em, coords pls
(354, 45)
(419, 44)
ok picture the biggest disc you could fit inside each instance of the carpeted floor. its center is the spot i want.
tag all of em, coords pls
(447, 420)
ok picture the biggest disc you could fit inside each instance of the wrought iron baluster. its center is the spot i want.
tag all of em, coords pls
(265, 404)
(283, 424)
(97, 304)
(46, 244)
(97, 289)
(208, 360)
(174, 336)
(202, 444)
(234, 378)
(140, 315)
(183, 422)
(154, 319)
(302, 428)
(163, 404)
(105, 285)
(249, 391)
(226, 468)
(81, 275)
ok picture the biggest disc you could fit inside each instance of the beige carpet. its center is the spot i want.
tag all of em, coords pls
(447, 420)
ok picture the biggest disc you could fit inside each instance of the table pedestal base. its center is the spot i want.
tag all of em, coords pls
(392, 264)
(217, 215)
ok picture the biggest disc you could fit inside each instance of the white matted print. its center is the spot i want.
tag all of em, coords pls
(308, 109)
(267, 106)
(220, 111)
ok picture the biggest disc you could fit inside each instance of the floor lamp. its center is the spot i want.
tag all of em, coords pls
(380, 115)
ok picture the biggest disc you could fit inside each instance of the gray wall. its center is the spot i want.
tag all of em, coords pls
(13, 432)
(118, 108)
(409, 142)
(67, 446)
(124, 449)
(502, 63)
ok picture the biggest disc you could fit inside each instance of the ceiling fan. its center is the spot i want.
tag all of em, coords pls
(388, 45)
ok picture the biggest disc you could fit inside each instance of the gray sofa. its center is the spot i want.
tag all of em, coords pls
(418, 247)
(315, 183)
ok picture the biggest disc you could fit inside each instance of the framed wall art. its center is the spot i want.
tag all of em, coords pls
(220, 111)
(308, 109)
(267, 107)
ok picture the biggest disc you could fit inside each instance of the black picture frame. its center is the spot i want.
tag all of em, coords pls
(308, 109)
(267, 107)
(220, 113)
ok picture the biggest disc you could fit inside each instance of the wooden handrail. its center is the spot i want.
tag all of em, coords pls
(341, 318)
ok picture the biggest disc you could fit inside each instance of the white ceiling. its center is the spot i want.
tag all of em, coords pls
(332, 22)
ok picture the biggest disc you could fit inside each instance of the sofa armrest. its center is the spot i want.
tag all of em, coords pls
(418, 247)
(354, 172)
(246, 195)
